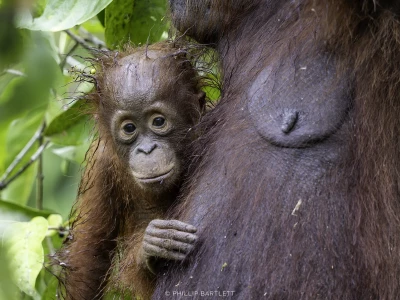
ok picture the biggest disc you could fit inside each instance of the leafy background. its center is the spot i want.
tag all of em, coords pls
(43, 133)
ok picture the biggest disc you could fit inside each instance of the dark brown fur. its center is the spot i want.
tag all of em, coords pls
(314, 222)
(111, 212)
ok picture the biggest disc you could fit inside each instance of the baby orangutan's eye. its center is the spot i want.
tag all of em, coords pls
(127, 129)
(158, 122)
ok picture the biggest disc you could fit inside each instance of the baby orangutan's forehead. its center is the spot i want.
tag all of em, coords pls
(137, 78)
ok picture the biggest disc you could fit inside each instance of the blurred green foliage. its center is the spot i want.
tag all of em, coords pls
(130, 21)
(40, 108)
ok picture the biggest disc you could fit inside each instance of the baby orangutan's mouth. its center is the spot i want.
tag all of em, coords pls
(153, 179)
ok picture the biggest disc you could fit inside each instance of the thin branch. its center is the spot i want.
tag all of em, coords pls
(79, 40)
(39, 176)
(60, 229)
(54, 228)
(75, 63)
(22, 153)
(35, 156)
(91, 38)
(64, 61)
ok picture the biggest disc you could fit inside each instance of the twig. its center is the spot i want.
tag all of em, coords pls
(55, 228)
(35, 156)
(79, 40)
(60, 229)
(93, 39)
(75, 63)
(64, 61)
(39, 176)
(21, 154)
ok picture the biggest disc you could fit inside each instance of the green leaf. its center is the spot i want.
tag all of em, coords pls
(5, 79)
(19, 190)
(67, 119)
(62, 104)
(71, 127)
(73, 153)
(10, 40)
(19, 133)
(24, 252)
(135, 21)
(39, 7)
(8, 290)
(19, 213)
(78, 134)
(31, 92)
(51, 290)
(95, 27)
(212, 93)
(102, 17)
(62, 14)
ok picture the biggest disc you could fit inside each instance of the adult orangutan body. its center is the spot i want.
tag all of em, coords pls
(296, 191)
(148, 99)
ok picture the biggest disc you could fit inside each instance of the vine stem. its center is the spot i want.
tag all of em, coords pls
(39, 176)
(64, 61)
(34, 157)
(21, 154)
(93, 39)
(79, 40)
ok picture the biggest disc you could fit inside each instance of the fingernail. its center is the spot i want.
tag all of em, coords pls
(191, 228)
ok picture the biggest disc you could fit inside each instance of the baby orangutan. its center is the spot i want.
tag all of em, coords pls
(147, 101)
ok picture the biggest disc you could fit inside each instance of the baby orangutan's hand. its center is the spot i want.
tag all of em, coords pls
(168, 240)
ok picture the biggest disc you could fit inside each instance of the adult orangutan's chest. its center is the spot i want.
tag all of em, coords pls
(299, 102)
